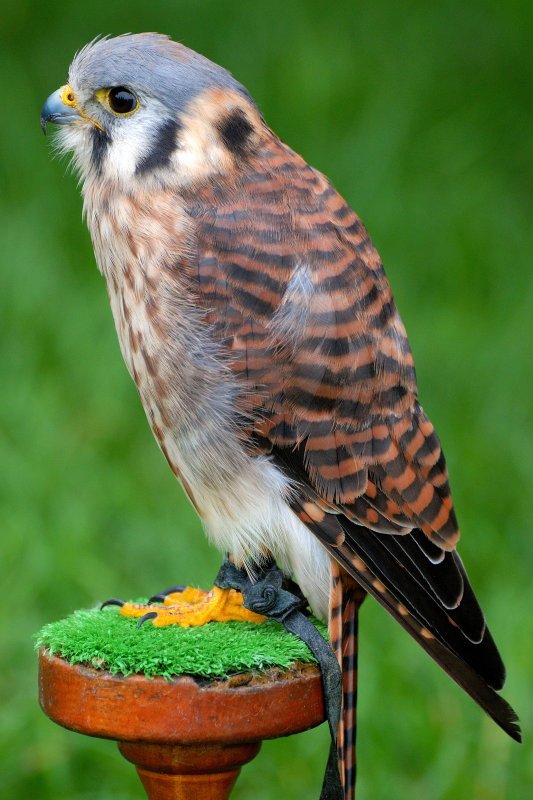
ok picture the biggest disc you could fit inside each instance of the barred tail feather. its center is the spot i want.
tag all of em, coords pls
(456, 667)
(345, 598)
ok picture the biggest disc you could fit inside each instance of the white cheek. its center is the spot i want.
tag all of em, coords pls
(124, 153)
(132, 137)
(74, 139)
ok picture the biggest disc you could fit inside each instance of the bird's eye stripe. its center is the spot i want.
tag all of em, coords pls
(121, 101)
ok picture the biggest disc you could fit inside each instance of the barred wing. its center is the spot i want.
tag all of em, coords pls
(297, 295)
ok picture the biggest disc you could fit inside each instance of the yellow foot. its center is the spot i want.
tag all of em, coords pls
(193, 607)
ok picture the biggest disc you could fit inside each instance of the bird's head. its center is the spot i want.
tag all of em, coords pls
(141, 109)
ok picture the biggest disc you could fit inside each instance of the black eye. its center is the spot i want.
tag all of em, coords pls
(122, 101)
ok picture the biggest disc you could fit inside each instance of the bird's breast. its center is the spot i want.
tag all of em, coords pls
(189, 392)
(143, 247)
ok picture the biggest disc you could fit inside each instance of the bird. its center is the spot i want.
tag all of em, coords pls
(256, 320)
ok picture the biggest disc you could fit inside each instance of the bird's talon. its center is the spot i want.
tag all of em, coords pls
(160, 597)
(113, 601)
(156, 598)
(148, 615)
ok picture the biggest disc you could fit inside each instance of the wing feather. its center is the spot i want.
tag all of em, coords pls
(294, 289)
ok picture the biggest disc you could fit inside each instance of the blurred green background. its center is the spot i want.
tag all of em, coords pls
(421, 113)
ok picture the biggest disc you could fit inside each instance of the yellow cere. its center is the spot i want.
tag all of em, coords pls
(67, 95)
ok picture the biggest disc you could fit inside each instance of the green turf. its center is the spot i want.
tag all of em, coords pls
(106, 640)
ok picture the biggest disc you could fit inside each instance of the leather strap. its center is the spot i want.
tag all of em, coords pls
(267, 594)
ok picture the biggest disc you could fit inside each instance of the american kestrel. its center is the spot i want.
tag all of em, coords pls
(255, 317)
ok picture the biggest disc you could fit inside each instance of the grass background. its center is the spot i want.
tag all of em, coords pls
(421, 113)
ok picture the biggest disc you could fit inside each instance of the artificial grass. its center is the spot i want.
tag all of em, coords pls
(105, 640)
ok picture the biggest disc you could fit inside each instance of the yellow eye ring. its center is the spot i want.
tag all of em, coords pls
(121, 101)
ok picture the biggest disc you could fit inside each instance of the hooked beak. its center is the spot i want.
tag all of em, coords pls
(60, 108)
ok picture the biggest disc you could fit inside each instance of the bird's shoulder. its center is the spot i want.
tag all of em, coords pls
(279, 247)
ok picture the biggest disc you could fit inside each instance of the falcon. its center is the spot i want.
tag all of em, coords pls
(255, 317)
